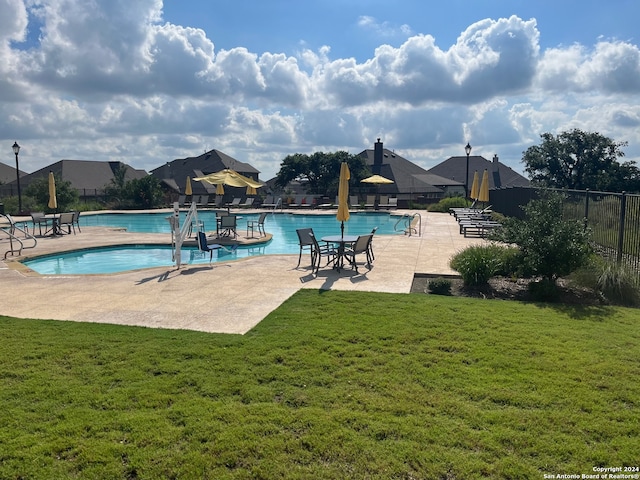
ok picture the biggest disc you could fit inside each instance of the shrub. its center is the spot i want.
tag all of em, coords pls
(544, 290)
(551, 246)
(440, 286)
(446, 203)
(477, 264)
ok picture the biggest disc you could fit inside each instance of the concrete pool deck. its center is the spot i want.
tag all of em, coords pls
(226, 297)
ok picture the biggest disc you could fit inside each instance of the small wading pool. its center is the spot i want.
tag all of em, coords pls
(119, 258)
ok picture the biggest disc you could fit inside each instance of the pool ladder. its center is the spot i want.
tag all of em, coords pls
(10, 228)
(409, 223)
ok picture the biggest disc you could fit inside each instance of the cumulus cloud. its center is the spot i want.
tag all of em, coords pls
(111, 73)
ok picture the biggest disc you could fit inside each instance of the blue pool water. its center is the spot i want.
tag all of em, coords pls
(121, 258)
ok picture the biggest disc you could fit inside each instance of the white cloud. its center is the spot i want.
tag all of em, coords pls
(112, 80)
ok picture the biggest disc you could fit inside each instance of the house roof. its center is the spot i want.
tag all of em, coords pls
(174, 174)
(407, 176)
(84, 174)
(8, 173)
(500, 175)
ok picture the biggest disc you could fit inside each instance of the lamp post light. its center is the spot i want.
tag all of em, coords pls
(467, 150)
(16, 150)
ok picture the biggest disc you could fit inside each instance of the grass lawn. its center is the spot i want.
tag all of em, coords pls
(331, 385)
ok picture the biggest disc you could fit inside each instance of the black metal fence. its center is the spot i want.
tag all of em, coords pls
(613, 218)
(85, 194)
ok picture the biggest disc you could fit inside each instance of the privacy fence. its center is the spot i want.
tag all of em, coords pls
(613, 218)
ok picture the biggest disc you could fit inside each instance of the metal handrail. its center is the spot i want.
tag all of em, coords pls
(10, 231)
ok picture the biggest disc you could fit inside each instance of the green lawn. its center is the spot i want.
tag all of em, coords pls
(331, 385)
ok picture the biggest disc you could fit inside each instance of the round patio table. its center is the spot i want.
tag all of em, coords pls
(341, 241)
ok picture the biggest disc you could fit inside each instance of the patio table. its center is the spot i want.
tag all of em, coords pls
(341, 241)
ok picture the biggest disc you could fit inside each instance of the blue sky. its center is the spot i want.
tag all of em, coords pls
(149, 81)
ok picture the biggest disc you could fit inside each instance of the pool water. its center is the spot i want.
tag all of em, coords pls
(132, 257)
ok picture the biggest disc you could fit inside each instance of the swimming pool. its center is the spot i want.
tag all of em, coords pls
(132, 257)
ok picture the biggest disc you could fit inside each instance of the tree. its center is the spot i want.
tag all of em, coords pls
(66, 195)
(550, 246)
(580, 160)
(144, 192)
(320, 171)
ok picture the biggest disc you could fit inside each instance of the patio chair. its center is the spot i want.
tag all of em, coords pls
(259, 224)
(305, 241)
(203, 246)
(353, 201)
(203, 201)
(319, 251)
(227, 226)
(362, 246)
(38, 218)
(66, 220)
(373, 232)
(76, 220)
(181, 200)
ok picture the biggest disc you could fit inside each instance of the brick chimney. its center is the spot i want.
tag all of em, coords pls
(377, 158)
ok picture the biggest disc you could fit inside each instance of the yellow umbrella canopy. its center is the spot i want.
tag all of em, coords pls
(343, 195)
(251, 190)
(229, 177)
(187, 188)
(474, 186)
(377, 179)
(53, 200)
(483, 195)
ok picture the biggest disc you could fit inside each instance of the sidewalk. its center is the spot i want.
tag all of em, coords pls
(229, 297)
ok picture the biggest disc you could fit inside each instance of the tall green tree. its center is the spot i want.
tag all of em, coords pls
(580, 160)
(66, 195)
(320, 171)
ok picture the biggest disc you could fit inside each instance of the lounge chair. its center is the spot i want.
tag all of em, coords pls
(391, 203)
(203, 246)
(371, 200)
(384, 200)
(353, 201)
(362, 246)
(305, 241)
(227, 226)
(319, 251)
(259, 224)
(235, 202)
(247, 202)
(181, 200)
(268, 202)
(203, 201)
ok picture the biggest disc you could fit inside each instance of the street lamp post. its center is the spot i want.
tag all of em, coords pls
(16, 150)
(467, 150)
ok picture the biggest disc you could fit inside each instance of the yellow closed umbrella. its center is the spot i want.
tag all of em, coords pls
(474, 186)
(53, 200)
(343, 196)
(187, 188)
(483, 195)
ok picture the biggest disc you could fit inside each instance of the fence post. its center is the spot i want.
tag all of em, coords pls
(623, 214)
(586, 209)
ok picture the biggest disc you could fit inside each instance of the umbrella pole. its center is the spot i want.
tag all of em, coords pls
(342, 229)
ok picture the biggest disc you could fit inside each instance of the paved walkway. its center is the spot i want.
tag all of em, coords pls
(229, 297)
